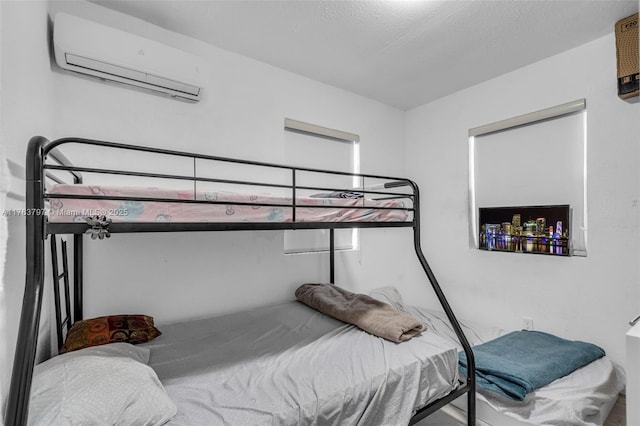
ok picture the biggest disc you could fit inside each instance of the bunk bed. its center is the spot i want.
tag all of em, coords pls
(298, 203)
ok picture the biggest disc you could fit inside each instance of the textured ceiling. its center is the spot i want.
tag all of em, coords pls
(401, 53)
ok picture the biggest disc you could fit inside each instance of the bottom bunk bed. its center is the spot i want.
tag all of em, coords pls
(285, 364)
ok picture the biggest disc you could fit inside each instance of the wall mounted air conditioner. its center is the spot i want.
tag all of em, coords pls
(91, 48)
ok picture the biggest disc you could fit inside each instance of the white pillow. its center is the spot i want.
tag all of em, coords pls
(100, 385)
(119, 349)
(389, 295)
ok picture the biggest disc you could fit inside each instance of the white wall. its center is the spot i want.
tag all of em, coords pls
(171, 276)
(589, 298)
(26, 86)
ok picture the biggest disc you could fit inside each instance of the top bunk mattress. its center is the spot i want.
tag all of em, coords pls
(213, 206)
(288, 364)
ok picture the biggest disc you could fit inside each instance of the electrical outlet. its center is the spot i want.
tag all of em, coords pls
(527, 323)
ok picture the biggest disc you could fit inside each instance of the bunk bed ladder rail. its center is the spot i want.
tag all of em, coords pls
(61, 323)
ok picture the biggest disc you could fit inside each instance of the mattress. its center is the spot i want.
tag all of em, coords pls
(582, 398)
(288, 364)
(231, 209)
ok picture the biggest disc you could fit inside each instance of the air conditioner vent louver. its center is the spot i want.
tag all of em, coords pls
(129, 74)
(90, 48)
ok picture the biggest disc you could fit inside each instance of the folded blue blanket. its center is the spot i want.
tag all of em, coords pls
(519, 362)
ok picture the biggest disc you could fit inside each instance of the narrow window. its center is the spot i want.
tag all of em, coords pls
(316, 147)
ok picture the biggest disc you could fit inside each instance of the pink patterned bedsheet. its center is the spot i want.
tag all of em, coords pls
(74, 210)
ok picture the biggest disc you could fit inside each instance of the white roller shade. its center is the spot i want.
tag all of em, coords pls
(304, 149)
(542, 163)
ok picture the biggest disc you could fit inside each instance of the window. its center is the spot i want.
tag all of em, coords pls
(532, 160)
(316, 147)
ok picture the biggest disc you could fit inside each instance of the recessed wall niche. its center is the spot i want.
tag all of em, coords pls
(526, 229)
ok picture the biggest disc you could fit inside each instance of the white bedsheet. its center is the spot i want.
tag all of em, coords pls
(290, 365)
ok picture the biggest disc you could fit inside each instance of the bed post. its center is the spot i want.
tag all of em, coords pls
(77, 277)
(78, 271)
(471, 368)
(332, 256)
(23, 363)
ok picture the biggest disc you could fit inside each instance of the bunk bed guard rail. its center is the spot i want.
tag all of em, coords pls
(45, 160)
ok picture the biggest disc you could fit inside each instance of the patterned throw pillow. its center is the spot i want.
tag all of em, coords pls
(110, 329)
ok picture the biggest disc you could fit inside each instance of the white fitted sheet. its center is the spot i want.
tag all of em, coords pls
(288, 364)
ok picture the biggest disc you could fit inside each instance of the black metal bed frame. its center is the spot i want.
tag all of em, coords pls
(38, 229)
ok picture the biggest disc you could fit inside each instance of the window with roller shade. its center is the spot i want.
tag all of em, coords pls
(309, 151)
(535, 164)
